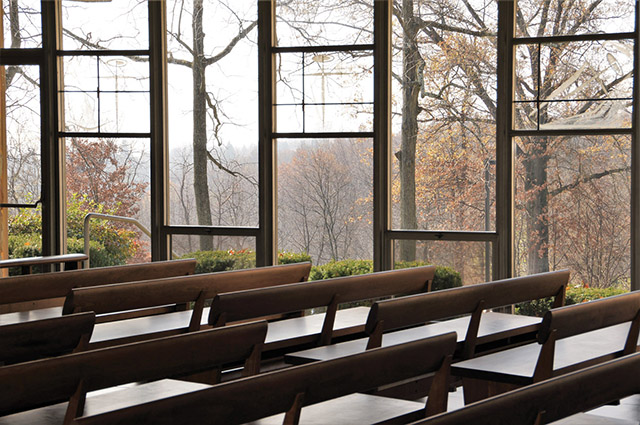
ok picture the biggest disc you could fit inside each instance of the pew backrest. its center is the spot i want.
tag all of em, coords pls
(22, 342)
(415, 309)
(30, 291)
(582, 318)
(553, 399)
(152, 293)
(242, 305)
(39, 383)
(290, 389)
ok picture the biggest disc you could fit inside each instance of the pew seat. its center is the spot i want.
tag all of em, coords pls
(570, 338)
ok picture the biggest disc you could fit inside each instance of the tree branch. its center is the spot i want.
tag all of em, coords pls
(587, 179)
(242, 34)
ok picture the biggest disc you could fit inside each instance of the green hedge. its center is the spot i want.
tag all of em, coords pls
(217, 261)
(574, 295)
(445, 277)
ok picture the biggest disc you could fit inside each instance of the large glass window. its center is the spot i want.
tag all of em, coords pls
(573, 103)
(105, 127)
(324, 198)
(213, 118)
(22, 24)
(444, 115)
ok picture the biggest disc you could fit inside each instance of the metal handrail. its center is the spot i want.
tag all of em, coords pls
(89, 216)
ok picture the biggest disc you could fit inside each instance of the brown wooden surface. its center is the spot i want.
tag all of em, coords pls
(33, 340)
(112, 298)
(296, 297)
(580, 318)
(105, 400)
(493, 327)
(44, 382)
(24, 291)
(275, 392)
(553, 399)
(438, 305)
(572, 338)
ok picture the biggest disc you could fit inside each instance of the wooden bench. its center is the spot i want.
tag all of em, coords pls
(32, 385)
(70, 262)
(23, 293)
(570, 338)
(477, 326)
(139, 300)
(330, 293)
(290, 390)
(38, 339)
(135, 297)
(554, 399)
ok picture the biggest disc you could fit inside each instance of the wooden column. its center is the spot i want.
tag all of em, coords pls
(503, 258)
(159, 131)
(4, 226)
(267, 163)
(382, 249)
(635, 164)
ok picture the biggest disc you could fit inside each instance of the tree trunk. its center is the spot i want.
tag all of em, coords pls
(200, 183)
(407, 155)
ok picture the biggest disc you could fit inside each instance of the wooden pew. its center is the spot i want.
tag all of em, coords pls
(570, 338)
(243, 305)
(554, 399)
(290, 390)
(148, 294)
(33, 385)
(38, 339)
(489, 329)
(23, 293)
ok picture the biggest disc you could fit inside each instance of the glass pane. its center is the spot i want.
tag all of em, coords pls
(20, 158)
(23, 134)
(305, 23)
(572, 81)
(22, 23)
(80, 73)
(81, 112)
(336, 88)
(228, 253)
(544, 18)
(324, 198)
(444, 114)
(122, 24)
(572, 207)
(471, 260)
(106, 94)
(108, 176)
(124, 112)
(121, 73)
(217, 112)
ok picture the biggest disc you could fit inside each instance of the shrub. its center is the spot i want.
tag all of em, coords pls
(217, 261)
(574, 295)
(110, 245)
(341, 268)
(285, 257)
(444, 277)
